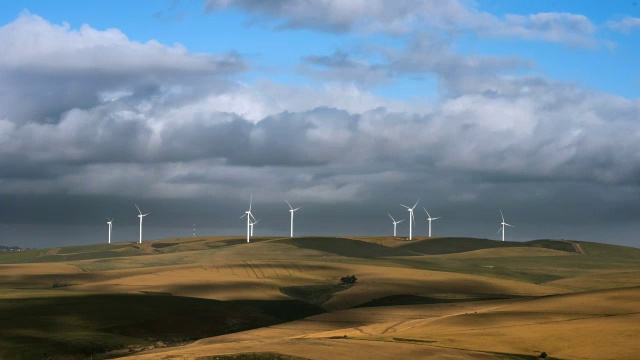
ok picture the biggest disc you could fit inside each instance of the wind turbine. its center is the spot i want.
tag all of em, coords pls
(430, 218)
(394, 223)
(109, 222)
(412, 220)
(251, 225)
(503, 224)
(292, 211)
(141, 216)
(249, 216)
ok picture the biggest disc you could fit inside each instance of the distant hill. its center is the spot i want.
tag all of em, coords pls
(9, 248)
(434, 246)
(450, 245)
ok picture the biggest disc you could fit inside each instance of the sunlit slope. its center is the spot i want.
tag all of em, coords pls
(592, 325)
(229, 268)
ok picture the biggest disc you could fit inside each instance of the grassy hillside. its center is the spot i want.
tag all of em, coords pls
(438, 246)
(95, 323)
(83, 300)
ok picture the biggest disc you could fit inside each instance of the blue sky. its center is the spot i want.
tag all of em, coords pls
(275, 53)
(187, 108)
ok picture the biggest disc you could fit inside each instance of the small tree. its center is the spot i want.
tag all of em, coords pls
(348, 280)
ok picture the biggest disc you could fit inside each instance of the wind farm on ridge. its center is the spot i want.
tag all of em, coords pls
(251, 221)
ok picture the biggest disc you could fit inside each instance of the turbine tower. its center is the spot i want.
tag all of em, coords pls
(109, 223)
(251, 225)
(249, 216)
(292, 211)
(140, 216)
(412, 220)
(394, 224)
(503, 224)
(430, 218)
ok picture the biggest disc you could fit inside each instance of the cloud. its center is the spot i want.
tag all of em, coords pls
(340, 67)
(63, 68)
(405, 16)
(422, 54)
(549, 26)
(624, 25)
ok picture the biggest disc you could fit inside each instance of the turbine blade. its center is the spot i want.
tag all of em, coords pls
(501, 215)
(392, 219)
(290, 207)
(400, 221)
(138, 209)
(250, 201)
(500, 229)
(297, 208)
(245, 214)
(425, 210)
(416, 204)
(509, 225)
(405, 206)
(436, 218)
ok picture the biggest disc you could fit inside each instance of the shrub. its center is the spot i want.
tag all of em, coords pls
(348, 280)
(59, 284)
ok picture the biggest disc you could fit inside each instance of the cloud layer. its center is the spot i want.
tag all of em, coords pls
(91, 114)
(406, 16)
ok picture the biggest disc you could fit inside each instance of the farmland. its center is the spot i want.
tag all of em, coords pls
(280, 298)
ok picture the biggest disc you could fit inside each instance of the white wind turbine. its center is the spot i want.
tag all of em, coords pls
(141, 216)
(503, 224)
(109, 223)
(251, 225)
(249, 216)
(412, 220)
(430, 219)
(292, 211)
(394, 223)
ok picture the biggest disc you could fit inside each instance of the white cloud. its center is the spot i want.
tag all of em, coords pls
(47, 69)
(625, 25)
(405, 16)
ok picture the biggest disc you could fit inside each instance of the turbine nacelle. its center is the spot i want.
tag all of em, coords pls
(429, 215)
(394, 220)
(291, 207)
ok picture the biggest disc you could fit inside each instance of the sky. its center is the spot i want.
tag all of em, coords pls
(346, 108)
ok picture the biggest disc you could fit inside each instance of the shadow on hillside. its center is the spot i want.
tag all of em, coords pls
(74, 327)
(435, 246)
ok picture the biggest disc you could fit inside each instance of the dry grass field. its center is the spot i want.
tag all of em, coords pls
(280, 298)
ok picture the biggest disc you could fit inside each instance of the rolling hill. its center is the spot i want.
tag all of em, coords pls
(436, 297)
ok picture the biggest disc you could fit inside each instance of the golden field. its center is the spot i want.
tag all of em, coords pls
(444, 298)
